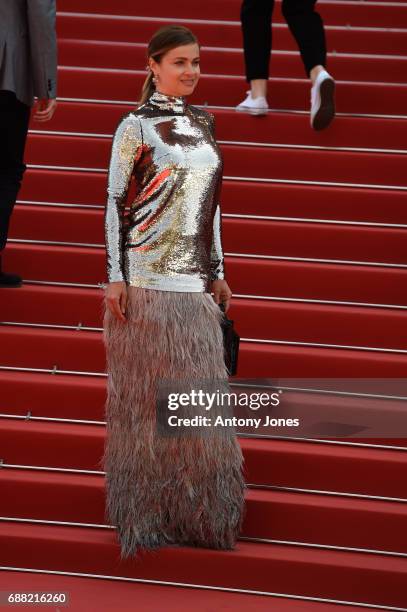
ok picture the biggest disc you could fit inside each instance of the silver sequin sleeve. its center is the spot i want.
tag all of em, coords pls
(126, 148)
(217, 257)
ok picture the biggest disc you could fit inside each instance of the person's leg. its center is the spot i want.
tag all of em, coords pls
(255, 17)
(307, 27)
(14, 120)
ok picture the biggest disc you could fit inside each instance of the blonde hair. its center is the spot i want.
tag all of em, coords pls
(162, 41)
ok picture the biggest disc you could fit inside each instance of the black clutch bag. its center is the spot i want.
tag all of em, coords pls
(231, 340)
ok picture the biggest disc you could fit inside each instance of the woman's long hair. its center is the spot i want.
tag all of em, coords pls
(164, 40)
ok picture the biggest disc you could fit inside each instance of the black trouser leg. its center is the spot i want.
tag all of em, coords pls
(14, 120)
(307, 27)
(255, 16)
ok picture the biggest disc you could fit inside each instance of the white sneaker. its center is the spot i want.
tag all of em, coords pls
(322, 101)
(254, 106)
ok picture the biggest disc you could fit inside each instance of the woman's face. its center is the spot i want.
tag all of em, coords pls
(178, 72)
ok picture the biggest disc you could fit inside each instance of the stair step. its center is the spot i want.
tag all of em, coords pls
(339, 39)
(79, 498)
(357, 577)
(246, 275)
(262, 162)
(240, 197)
(126, 85)
(230, 61)
(83, 397)
(261, 319)
(273, 128)
(271, 462)
(66, 396)
(249, 236)
(105, 592)
(351, 14)
(83, 351)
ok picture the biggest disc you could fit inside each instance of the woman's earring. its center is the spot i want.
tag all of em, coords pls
(154, 78)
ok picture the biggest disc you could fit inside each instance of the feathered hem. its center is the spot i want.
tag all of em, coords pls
(163, 490)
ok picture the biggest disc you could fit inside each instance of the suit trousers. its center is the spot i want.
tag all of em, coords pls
(305, 24)
(14, 120)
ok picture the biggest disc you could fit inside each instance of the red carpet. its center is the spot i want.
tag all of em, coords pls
(314, 229)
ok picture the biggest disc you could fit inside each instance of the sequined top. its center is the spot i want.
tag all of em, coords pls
(170, 237)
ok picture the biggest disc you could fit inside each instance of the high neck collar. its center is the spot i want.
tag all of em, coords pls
(166, 102)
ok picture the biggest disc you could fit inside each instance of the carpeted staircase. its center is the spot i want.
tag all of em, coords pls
(314, 227)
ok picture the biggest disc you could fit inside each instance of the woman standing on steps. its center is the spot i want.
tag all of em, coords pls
(160, 320)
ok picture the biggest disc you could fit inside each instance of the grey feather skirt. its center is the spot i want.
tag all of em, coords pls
(166, 490)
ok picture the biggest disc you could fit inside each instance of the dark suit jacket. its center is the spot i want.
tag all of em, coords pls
(28, 48)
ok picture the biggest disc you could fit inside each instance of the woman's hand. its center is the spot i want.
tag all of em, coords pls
(221, 293)
(116, 299)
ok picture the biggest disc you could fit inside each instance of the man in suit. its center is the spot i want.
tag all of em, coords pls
(28, 69)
